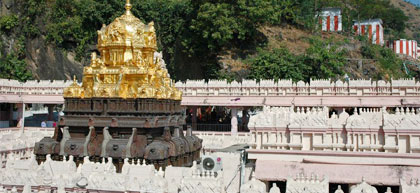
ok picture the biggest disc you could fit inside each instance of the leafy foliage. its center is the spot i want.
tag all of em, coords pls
(75, 22)
(198, 29)
(325, 59)
(394, 19)
(390, 63)
(194, 32)
(278, 64)
(225, 22)
(321, 60)
(32, 10)
(8, 22)
(11, 67)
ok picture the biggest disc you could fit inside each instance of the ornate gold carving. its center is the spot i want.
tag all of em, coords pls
(126, 67)
(74, 90)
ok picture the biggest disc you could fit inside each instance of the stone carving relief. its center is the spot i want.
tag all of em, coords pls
(360, 131)
(339, 190)
(274, 189)
(363, 188)
(307, 184)
(136, 177)
(309, 117)
(271, 117)
(404, 118)
(411, 186)
(253, 186)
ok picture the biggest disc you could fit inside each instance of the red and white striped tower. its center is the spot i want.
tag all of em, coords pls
(330, 19)
(372, 28)
(418, 53)
(406, 47)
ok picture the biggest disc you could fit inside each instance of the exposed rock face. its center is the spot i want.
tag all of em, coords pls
(49, 62)
(44, 60)
(6, 7)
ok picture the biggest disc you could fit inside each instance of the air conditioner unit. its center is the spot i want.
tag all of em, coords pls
(211, 163)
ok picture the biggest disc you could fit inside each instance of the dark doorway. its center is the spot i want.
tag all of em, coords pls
(334, 187)
(280, 184)
(394, 189)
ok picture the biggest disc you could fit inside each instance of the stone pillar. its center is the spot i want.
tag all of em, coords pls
(234, 120)
(19, 111)
(50, 115)
(11, 105)
(51, 112)
(21, 116)
(245, 119)
(194, 118)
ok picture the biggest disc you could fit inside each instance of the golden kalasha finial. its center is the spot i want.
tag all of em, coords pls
(128, 7)
(74, 79)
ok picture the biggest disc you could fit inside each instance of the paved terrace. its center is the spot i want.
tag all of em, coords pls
(354, 93)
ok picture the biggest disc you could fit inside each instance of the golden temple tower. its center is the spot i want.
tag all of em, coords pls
(127, 66)
(126, 107)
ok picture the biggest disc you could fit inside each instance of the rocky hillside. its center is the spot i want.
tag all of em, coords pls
(52, 39)
(44, 60)
(413, 13)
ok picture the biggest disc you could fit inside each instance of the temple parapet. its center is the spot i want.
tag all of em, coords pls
(321, 87)
(33, 87)
(405, 87)
(367, 129)
(402, 131)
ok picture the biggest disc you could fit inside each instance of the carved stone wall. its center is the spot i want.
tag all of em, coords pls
(411, 186)
(90, 176)
(18, 145)
(307, 184)
(322, 87)
(400, 87)
(33, 87)
(363, 188)
(304, 128)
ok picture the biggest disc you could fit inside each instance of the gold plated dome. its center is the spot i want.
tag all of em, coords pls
(127, 66)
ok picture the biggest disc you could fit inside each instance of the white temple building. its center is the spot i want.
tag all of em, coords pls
(321, 136)
(372, 28)
(331, 20)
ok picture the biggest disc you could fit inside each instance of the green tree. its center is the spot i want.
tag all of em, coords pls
(278, 64)
(392, 17)
(171, 20)
(11, 67)
(391, 64)
(220, 24)
(190, 32)
(325, 59)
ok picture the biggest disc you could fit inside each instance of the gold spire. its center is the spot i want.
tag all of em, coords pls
(128, 7)
(127, 66)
